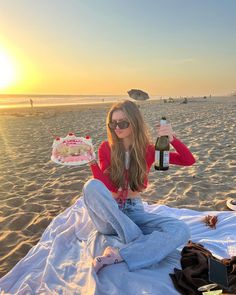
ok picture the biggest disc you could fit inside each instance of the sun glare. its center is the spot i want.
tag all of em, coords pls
(7, 71)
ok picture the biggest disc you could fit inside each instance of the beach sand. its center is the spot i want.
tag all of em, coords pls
(33, 189)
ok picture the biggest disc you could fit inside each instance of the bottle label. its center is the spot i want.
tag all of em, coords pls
(157, 158)
(166, 159)
(162, 158)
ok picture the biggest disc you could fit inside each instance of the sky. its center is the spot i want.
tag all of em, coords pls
(165, 47)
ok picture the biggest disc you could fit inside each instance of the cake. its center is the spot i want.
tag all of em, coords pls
(72, 150)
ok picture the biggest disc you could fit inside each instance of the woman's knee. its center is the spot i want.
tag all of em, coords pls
(90, 188)
(91, 185)
(93, 189)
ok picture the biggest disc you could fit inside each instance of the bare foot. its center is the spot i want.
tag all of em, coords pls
(109, 256)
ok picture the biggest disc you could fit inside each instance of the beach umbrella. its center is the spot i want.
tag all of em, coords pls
(138, 94)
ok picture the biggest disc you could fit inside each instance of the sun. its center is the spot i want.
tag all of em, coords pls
(7, 70)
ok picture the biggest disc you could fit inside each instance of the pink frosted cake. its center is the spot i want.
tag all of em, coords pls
(72, 150)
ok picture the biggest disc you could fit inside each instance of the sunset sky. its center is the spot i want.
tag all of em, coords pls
(165, 47)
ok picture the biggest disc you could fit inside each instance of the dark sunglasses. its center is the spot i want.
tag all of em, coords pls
(120, 124)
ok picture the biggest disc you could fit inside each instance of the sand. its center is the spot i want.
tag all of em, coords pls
(33, 190)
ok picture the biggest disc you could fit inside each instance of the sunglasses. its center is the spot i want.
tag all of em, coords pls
(120, 124)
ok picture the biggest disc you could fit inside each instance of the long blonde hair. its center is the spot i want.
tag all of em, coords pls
(140, 140)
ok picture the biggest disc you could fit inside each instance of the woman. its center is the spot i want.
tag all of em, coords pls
(113, 197)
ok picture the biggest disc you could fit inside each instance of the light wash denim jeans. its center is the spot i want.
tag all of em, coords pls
(148, 238)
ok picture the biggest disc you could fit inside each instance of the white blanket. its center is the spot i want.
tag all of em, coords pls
(61, 261)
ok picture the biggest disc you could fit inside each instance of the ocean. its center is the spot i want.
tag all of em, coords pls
(7, 101)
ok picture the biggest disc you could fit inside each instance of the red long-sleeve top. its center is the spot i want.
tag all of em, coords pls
(182, 156)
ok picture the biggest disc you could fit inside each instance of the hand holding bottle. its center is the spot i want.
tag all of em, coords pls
(165, 130)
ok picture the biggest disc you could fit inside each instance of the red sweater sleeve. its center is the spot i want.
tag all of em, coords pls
(104, 156)
(182, 156)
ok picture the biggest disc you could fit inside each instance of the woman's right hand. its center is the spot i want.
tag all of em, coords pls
(93, 162)
(165, 130)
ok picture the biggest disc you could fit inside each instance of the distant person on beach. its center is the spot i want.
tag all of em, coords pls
(185, 100)
(113, 198)
(31, 103)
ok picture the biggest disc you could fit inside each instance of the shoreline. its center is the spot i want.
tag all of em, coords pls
(25, 105)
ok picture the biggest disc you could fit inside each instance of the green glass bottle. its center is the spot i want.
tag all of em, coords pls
(162, 148)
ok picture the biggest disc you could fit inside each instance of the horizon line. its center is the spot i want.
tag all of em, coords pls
(57, 94)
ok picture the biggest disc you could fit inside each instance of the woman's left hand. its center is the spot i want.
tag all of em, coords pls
(165, 130)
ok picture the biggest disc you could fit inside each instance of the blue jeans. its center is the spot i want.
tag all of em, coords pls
(148, 238)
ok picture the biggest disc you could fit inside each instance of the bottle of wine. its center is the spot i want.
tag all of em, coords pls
(162, 148)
